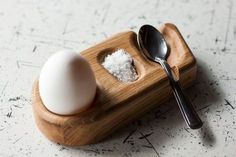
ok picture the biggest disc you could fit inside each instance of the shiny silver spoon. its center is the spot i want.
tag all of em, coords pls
(154, 47)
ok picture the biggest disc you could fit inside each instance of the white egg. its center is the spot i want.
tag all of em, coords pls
(67, 84)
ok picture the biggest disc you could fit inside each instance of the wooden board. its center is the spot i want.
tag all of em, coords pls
(116, 103)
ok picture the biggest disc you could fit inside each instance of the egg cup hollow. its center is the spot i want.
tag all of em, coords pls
(116, 103)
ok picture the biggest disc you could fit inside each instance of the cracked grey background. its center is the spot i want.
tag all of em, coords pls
(32, 30)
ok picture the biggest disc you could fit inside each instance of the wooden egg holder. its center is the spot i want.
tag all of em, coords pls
(117, 104)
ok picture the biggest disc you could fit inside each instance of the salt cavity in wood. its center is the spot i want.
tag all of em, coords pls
(120, 64)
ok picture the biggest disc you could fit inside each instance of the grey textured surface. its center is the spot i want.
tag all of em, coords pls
(31, 30)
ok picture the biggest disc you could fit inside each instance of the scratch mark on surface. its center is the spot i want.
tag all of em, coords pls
(34, 49)
(14, 99)
(212, 16)
(234, 32)
(4, 88)
(204, 107)
(65, 27)
(26, 100)
(150, 144)
(104, 34)
(195, 96)
(228, 23)
(157, 4)
(146, 135)
(63, 148)
(229, 104)
(20, 63)
(106, 12)
(92, 150)
(133, 27)
(17, 140)
(142, 17)
(9, 114)
(30, 65)
(146, 146)
(216, 40)
(130, 134)
(186, 129)
(17, 106)
(159, 114)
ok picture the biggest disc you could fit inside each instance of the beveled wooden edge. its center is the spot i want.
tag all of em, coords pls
(188, 61)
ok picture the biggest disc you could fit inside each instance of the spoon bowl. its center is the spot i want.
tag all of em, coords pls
(148, 39)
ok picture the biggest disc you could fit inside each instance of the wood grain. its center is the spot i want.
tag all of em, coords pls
(116, 103)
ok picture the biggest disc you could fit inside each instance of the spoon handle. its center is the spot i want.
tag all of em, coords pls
(189, 113)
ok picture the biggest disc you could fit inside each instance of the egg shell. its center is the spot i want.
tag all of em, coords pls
(67, 84)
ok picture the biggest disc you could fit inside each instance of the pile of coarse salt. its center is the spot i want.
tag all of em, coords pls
(120, 64)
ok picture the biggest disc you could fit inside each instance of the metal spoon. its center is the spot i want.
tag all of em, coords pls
(154, 47)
